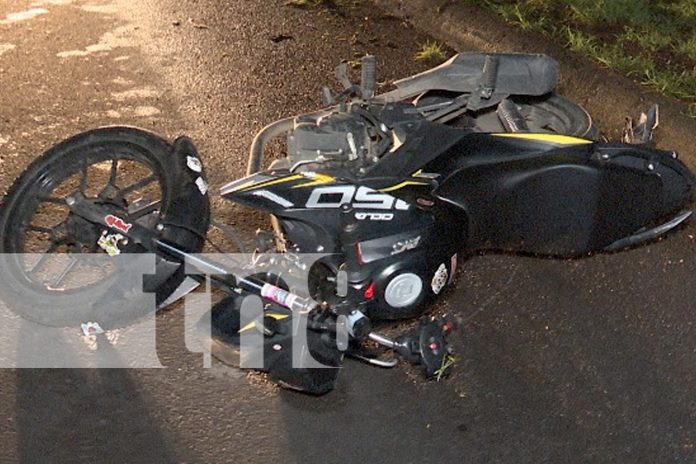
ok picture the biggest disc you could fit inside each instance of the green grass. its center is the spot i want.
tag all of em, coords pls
(431, 52)
(691, 111)
(445, 367)
(651, 41)
(688, 47)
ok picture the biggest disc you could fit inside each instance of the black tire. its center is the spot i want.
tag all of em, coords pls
(557, 114)
(181, 206)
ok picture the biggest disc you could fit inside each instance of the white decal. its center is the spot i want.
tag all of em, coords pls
(439, 279)
(368, 198)
(202, 185)
(334, 196)
(401, 205)
(405, 245)
(194, 163)
(316, 200)
(278, 295)
(360, 216)
(274, 198)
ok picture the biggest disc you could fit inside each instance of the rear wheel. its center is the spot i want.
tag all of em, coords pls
(56, 269)
(550, 113)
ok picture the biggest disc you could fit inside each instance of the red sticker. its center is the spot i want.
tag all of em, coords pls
(117, 223)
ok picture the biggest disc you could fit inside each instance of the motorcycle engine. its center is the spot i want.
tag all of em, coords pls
(338, 137)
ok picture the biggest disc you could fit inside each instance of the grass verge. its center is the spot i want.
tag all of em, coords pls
(651, 41)
(431, 52)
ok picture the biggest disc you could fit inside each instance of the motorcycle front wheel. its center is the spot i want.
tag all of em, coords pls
(60, 269)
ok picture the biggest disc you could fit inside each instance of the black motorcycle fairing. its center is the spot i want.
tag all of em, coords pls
(448, 189)
(392, 235)
(564, 201)
(311, 200)
(426, 141)
(319, 357)
(676, 178)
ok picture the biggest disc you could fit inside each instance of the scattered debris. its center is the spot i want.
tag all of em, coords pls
(113, 336)
(91, 342)
(197, 24)
(281, 37)
(109, 243)
(91, 328)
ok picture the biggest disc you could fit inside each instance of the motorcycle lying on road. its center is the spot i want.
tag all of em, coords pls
(392, 190)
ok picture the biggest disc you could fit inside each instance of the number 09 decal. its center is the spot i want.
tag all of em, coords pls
(359, 197)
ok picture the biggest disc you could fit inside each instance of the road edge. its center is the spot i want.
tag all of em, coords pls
(608, 95)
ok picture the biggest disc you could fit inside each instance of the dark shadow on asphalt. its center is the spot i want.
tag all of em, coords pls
(83, 415)
(375, 415)
(583, 361)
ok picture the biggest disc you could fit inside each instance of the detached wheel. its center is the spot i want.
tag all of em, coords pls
(550, 113)
(55, 265)
(556, 114)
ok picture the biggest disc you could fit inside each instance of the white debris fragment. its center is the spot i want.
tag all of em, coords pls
(91, 328)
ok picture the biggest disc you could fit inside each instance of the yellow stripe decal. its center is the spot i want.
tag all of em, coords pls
(268, 183)
(318, 179)
(549, 138)
(402, 185)
(252, 324)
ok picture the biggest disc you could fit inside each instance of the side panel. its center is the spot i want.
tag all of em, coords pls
(311, 207)
(552, 205)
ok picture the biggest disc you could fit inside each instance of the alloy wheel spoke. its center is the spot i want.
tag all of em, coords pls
(65, 272)
(113, 172)
(54, 200)
(83, 180)
(45, 230)
(53, 247)
(138, 210)
(135, 186)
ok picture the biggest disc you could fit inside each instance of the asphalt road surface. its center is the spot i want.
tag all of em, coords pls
(590, 360)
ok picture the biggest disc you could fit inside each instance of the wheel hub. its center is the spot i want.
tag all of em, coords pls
(82, 231)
